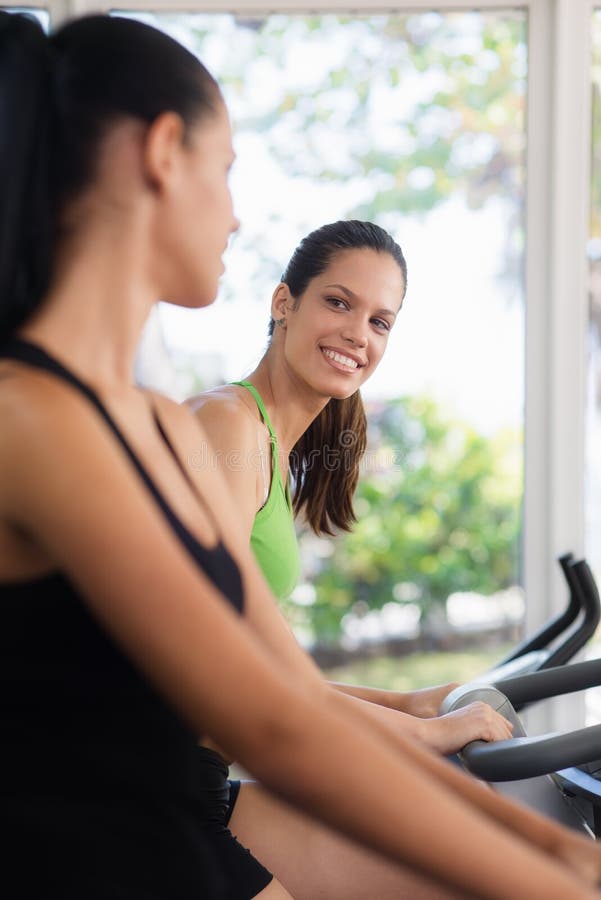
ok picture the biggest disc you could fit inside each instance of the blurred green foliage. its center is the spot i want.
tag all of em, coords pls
(432, 109)
(431, 106)
(448, 81)
(417, 670)
(439, 511)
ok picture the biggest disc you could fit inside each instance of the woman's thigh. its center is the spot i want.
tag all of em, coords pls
(313, 862)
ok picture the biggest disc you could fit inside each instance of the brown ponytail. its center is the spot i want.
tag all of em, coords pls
(324, 464)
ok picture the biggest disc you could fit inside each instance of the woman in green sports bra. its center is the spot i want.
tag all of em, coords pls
(299, 417)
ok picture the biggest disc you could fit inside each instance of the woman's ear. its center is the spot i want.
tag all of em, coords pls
(163, 146)
(280, 303)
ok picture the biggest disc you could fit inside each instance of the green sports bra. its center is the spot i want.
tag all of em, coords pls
(273, 538)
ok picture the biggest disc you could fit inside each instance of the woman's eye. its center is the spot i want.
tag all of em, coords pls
(337, 302)
(381, 323)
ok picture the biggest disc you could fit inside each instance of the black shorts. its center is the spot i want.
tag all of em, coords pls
(245, 875)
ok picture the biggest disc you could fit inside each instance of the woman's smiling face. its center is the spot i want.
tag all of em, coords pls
(337, 330)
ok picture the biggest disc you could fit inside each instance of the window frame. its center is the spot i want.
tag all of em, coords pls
(556, 269)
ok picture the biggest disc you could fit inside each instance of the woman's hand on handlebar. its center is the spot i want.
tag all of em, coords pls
(475, 722)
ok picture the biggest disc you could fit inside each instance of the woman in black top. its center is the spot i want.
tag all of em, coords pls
(122, 574)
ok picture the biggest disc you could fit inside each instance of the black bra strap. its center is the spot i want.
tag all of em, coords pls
(183, 469)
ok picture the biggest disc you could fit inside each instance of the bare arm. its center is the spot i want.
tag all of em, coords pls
(424, 703)
(446, 734)
(381, 710)
(174, 625)
(233, 436)
(64, 473)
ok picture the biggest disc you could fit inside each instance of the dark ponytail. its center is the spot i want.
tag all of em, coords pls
(59, 95)
(25, 204)
(324, 463)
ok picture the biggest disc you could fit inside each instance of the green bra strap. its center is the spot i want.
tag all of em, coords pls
(260, 404)
(274, 440)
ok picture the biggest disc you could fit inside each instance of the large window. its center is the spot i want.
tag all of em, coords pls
(446, 91)
(416, 122)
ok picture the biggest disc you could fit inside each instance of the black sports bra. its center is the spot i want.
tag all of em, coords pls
(216, 562)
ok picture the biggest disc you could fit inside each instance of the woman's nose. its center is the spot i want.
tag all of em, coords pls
(356, 336)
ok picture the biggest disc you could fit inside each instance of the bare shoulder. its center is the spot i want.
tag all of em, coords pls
(35, 406)
(227, 399)
(24, 402)
(228, 416)
(48, 428)
(227, 411)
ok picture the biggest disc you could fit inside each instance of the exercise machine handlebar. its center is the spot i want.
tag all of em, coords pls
(553, 682)
(527, 757)
(583, 599)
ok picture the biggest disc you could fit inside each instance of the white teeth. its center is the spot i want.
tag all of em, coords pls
(344, 360)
